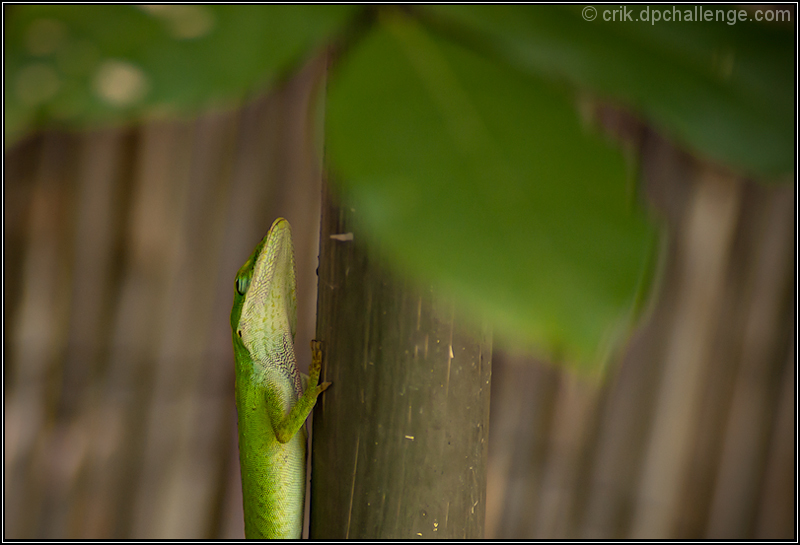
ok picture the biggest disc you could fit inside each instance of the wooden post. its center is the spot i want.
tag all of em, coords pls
(400, 438)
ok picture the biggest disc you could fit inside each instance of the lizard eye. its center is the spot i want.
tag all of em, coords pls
(242, 282)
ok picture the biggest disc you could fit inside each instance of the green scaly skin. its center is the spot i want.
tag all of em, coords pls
(270, 402)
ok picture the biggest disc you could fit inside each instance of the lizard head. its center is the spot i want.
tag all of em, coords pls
(264, 315)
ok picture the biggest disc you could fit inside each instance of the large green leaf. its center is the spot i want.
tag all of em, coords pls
(88, 64)
(725, 90)
(481, 178)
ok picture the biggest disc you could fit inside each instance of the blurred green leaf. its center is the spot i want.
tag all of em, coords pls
(87, 64)
(482, 178)
(725, 90)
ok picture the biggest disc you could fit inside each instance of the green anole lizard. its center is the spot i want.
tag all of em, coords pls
(270, 401)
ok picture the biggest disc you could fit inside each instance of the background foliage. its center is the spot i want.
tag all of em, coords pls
(453, 128)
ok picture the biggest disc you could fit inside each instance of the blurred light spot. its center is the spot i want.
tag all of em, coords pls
(36, 83)
(120, 83)
(184, 22)
(44, 36)
(77, 58)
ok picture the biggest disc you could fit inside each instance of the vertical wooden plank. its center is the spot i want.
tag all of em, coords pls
(735, 504)
(103, 177)
(709, 232)
(38, 338)
(522, 416)
(20, 166)
(777, 513)
(117, 428)
(573, 419)
(175, 489)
